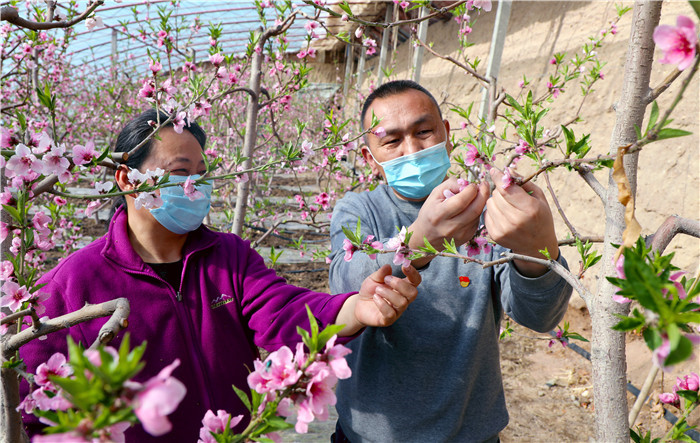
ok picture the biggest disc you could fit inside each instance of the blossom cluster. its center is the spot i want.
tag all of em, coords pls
(296, 383)
(150, 403)
(690, 382)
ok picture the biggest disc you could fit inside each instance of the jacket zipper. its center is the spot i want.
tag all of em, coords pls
(178, 296)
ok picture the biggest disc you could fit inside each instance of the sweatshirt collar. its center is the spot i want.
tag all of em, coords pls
(119, 250)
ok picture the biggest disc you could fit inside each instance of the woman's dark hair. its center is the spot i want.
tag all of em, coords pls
(136, 131)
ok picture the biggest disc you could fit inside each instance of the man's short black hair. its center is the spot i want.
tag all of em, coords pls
(392, 88)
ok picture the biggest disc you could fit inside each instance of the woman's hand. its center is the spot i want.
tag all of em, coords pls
(381, 300)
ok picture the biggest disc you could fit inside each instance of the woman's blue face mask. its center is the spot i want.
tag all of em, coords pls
(178, 213)
(415, 175)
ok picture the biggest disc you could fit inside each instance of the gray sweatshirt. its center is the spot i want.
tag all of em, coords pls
(434, 375)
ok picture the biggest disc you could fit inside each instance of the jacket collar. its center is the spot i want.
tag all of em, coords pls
(118, 248)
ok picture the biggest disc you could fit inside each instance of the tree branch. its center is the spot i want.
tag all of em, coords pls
(11, 15)
(551, 264)
(118, 308)
(671, 227)
(587, 176)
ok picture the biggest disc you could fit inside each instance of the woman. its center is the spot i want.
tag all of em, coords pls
(204, 297)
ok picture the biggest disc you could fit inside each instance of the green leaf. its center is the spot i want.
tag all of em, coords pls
(628, 324)
(511, 101)
(652, 338)
(576, 336)
(345, 7)
(688, 395)
(243, 396)
(14, 213)
(653, 115)
(671, 133)
(682, 351)
(695, 4)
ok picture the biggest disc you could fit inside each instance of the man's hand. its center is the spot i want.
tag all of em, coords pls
(519, 218)
(381, 300)
(441, 218)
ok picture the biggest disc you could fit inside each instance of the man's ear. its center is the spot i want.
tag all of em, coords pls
(447, 133)
(367, 155)
(120, 177)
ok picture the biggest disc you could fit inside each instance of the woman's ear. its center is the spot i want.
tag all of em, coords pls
(122, 179)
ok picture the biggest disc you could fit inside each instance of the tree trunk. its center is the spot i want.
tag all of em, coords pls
(608, 347)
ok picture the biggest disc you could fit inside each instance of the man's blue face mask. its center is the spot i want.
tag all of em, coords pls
(416, 175)
(178, 214)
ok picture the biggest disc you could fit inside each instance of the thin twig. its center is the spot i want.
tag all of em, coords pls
(559, 208)
(11, 15)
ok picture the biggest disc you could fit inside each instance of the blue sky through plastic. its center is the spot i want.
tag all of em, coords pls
(93, 49)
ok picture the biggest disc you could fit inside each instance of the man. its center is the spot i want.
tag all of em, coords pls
(434, 375)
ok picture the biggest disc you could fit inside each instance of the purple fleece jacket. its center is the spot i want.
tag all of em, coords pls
(231, 303)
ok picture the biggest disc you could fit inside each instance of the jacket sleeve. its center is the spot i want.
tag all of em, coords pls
(536, 303)
(273, 309)
(345, 275)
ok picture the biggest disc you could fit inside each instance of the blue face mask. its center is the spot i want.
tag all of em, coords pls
(416, 175)
(178, 214)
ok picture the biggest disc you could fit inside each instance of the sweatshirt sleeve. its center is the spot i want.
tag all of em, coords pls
(536, 303)
(344, 275)
(40, 350)
(273, 308)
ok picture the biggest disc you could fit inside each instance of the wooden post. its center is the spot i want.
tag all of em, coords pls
(385, 46)
(418, 52)
(361, 68)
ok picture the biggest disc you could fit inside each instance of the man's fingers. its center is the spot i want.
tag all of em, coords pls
(378, 275)
(412, 275)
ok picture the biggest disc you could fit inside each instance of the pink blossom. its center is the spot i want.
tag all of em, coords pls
(670, 398)
(560, 339)
(689, 382)
(93, 22)
(472, 155)
(24, 161)
(147, 91)
(310, 26)
(216, 424)
(276, 373)
(404, 4)
(103, 187)
(507, 179)
(522, 147)
(93, 205)
(370, 44)
(84, 154)
(323, 200)
(216, 59)
(160, 397)
(349, 249)
(56, 365)
(15, 295)
(147, 200)
(679, 287)
(6, 269)
(46, 403)
(359, 31)
(620, 272)
(659, 354)
(379, 131)
(374, 244)
(484, 5)
(179, 121)
(155, 66)
(677, 42)
(41, 221)
(190, 190)
(55, 162)
(336, 358)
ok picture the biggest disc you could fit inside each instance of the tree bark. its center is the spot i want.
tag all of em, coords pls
(608, 357)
